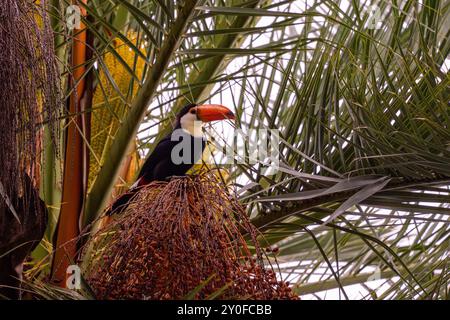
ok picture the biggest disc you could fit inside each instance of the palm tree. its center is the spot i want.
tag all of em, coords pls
(358, 92)
(30, 96)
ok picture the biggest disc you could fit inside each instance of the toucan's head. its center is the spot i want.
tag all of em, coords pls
(191, 115)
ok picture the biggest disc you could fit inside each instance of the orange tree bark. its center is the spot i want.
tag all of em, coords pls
(72, 192)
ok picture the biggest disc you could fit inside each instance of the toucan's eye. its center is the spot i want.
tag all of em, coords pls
(193, 111)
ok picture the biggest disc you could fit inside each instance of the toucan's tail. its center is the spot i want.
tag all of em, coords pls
(121, 203)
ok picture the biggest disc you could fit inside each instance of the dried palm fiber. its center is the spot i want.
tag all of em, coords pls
(173, 236)
(29, 87)
(108, 105)
(29, 96)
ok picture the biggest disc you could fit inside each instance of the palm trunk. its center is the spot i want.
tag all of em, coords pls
(72, 192)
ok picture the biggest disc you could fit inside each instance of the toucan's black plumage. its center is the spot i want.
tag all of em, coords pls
(159, 165)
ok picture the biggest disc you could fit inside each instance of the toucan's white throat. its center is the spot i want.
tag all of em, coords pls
(192, 125)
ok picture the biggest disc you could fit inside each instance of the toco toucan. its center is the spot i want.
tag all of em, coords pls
(169, 158)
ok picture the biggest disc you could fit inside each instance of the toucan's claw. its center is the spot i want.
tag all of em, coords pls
(174, 177)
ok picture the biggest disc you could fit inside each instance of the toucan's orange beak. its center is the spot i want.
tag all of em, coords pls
(214, 112)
